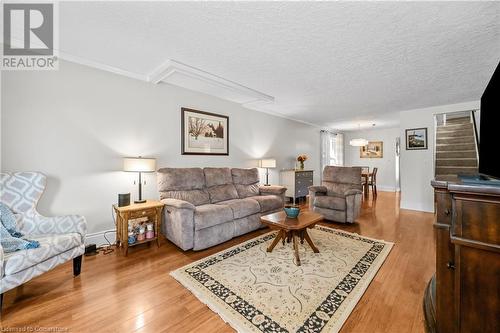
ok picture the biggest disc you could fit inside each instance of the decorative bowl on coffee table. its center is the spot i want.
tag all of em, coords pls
(292, 211)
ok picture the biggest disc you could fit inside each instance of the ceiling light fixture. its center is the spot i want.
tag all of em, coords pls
(359, 142)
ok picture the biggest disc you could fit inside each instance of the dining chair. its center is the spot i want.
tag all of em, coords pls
(365, 171)
(372, 181)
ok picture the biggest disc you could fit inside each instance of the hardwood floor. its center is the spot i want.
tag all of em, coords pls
(136, 293)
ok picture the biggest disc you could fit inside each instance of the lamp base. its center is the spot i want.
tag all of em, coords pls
(139, 201)
(267, 184)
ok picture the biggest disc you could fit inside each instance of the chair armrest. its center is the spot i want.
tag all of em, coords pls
(60, 225)
(352, 192)
(179, 204)
(272, 189)
(317, 189)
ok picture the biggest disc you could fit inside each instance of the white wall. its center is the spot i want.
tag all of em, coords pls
(76, 124)
(417, 166)
(386, 174)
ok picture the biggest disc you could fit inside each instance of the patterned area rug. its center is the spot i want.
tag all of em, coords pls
(257, 291)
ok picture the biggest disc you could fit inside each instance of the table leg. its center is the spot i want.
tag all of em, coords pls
(365, 186)
(296, 248)
(276, 240)
(310, 242)
(157, 225)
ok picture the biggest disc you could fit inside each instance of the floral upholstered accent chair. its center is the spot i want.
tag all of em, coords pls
(61, 238)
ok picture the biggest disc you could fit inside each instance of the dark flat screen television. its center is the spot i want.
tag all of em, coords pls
(489, 128)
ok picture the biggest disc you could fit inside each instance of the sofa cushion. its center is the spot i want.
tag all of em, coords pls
(268, 202)
(245, 191)
(222, 192)
(206, 216)
(246, 182)
(245, 176)
(337, 189)
(242, 207)
(178, 179)
(51, 245)
(196, 197)
(346, 175)
(336, 203)
(217, 176)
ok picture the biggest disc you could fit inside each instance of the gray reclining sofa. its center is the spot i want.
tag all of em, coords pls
(205, 207)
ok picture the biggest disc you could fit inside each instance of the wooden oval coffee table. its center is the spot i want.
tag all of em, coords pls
(291, 229)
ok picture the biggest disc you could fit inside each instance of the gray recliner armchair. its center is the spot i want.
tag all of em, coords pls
(339, 197)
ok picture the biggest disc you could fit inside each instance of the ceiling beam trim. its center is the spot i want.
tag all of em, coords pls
(170, 68)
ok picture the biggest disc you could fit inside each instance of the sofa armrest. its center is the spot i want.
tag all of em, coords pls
(178, 222)
(318, 189)
(179, 204)
(60, 225)
(272, 189)
(315, 191)
(352, 192)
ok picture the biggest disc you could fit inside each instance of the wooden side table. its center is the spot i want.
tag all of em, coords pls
(152, 209)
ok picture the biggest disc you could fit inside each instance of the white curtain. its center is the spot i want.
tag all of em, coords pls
(332, 149)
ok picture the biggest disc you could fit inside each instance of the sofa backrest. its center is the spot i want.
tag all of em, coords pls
(246, 182)
(340, 179)
(209, 185)
(219, 182)
(186, 184)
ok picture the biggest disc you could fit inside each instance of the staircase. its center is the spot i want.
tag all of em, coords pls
(456, 148)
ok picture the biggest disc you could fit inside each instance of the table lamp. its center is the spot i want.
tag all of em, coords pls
(140, 165)
(267, 163)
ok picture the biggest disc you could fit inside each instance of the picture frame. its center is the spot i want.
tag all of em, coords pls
(204, 133)
(374, 149)
(416, 138)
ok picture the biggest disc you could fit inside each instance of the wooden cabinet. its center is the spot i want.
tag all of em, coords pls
(464, 295)
(296, 182)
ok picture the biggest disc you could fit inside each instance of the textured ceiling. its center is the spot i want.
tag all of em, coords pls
(324, 63)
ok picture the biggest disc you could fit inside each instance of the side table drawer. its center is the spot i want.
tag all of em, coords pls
(142, 213)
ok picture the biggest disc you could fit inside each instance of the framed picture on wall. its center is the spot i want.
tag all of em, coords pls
(374, 149)
(416, 138)
(204, 133)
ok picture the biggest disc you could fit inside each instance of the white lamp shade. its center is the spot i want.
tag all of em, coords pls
(268, 163)
(139, 164)
(358, 142)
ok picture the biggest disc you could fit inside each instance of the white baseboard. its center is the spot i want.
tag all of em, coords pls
(383, 188)
(416, 206)
(98, 237)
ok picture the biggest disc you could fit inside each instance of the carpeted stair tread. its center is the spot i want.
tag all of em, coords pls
(456, 154)
(456, 162)
(455, 148)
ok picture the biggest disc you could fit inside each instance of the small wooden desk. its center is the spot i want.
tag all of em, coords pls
(151, 209)
(291, 229)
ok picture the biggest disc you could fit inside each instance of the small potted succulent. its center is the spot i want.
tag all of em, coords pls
(301, 159)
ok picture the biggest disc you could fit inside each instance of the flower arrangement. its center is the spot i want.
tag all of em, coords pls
(301, 159)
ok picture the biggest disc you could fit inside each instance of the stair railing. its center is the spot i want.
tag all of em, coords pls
(476, 136)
